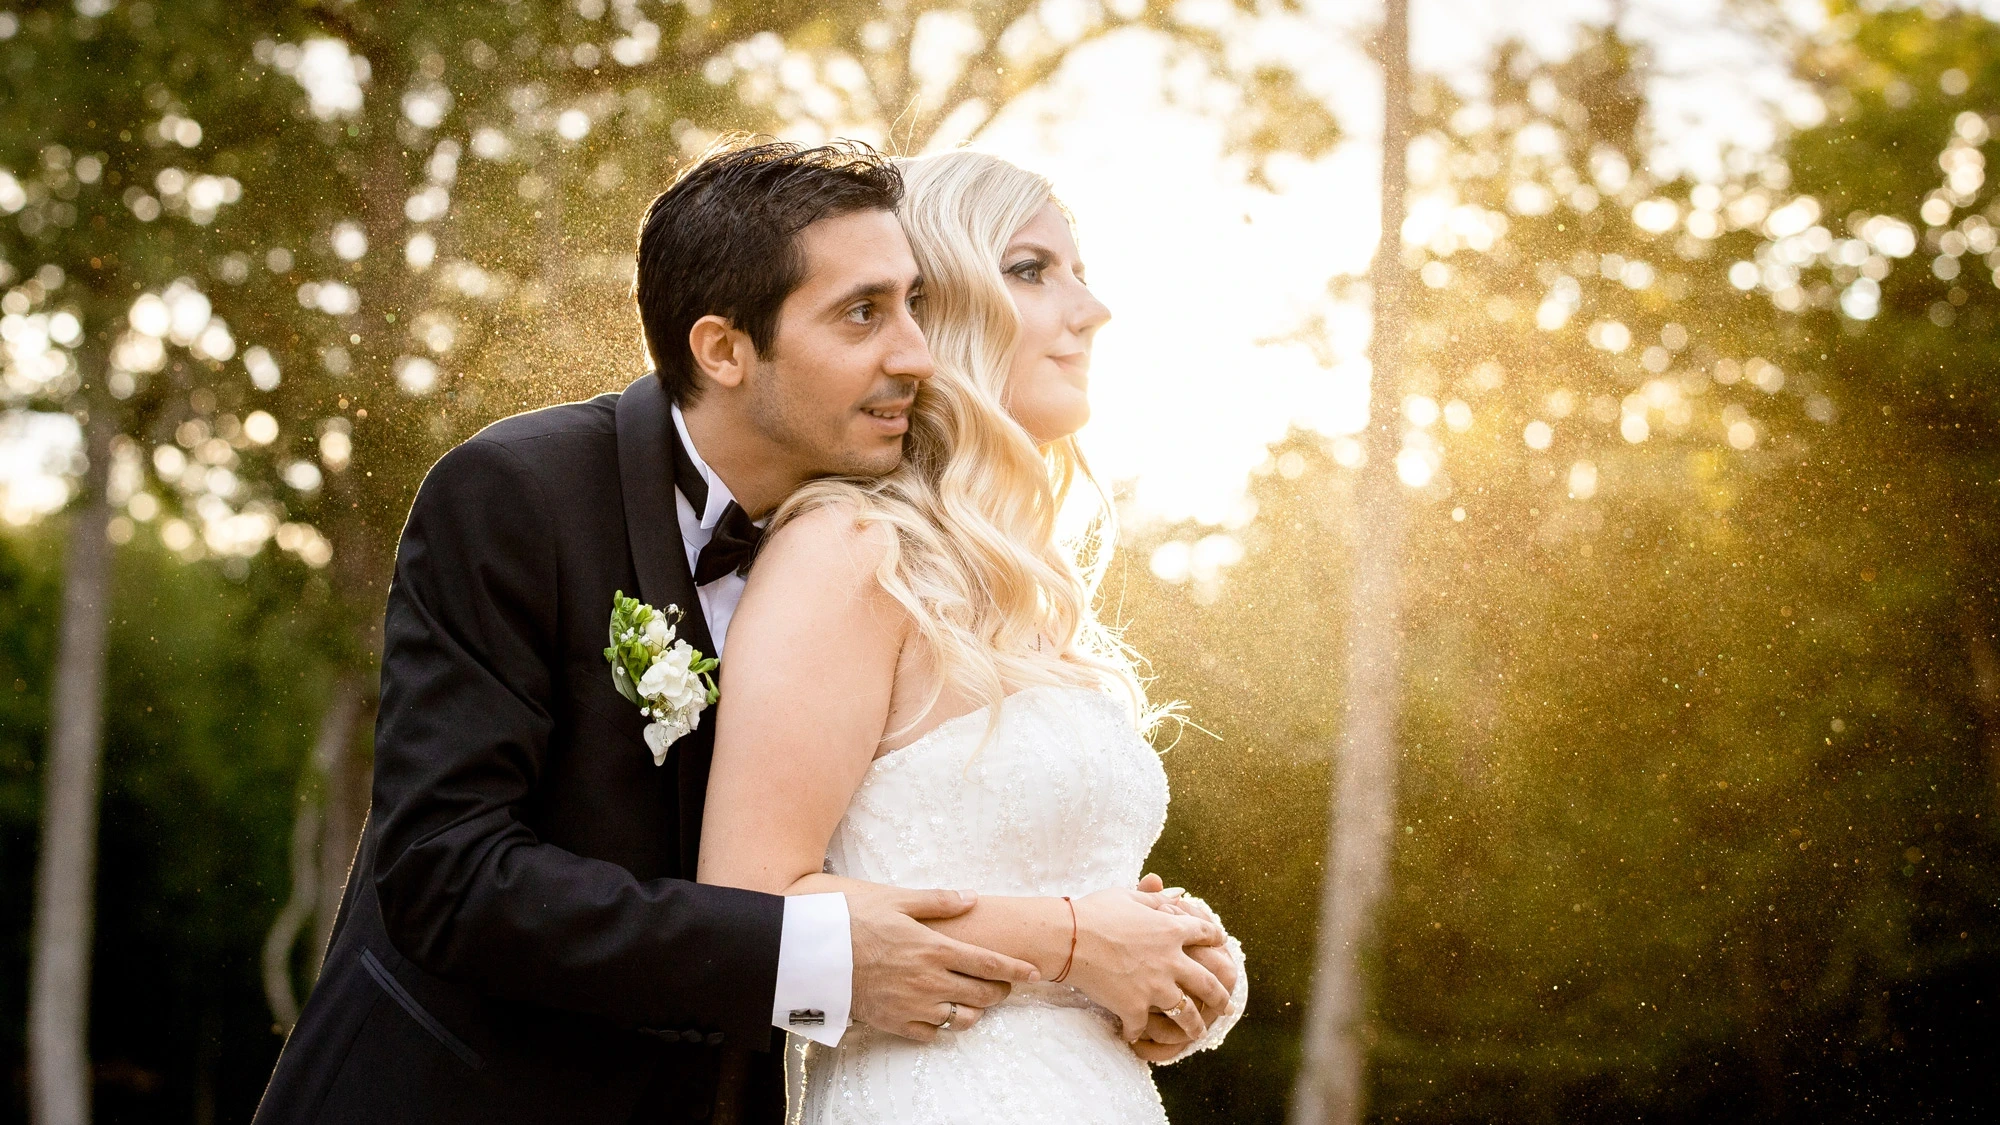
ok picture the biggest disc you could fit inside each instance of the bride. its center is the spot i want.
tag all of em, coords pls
(920, 695)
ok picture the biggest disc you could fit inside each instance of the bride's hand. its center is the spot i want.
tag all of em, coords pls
(1132, 958)
(1214, 958)
(1166, 1039)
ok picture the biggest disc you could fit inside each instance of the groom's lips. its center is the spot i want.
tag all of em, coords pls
(891, 419)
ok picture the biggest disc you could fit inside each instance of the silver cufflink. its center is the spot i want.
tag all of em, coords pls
(806, 1017)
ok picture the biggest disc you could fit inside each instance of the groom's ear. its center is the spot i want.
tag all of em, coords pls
(723, 353)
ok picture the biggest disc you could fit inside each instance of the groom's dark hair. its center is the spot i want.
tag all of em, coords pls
(723, 239)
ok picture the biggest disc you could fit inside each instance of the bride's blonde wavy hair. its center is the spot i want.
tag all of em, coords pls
(976, 558)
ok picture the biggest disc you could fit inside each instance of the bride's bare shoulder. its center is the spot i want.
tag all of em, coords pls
(831, 545)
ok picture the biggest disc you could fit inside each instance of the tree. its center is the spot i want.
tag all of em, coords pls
(1330, 1079)
(1696, 810)
(75, 137)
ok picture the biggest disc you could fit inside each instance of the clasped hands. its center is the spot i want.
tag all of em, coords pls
(1157, 962)
(1167, 1036)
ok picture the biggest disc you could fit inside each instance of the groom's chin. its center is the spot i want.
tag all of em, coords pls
(879, 458)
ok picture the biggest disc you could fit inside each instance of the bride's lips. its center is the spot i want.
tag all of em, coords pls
(1074, 363)
(889, 419)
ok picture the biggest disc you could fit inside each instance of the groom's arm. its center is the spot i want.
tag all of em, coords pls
(468, 891)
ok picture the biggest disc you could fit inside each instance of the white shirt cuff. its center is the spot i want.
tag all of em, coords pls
(815, 990)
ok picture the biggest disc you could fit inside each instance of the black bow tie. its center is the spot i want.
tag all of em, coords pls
(732, 548)
(734, 544)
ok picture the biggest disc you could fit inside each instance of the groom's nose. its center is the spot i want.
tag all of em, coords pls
(907, 355)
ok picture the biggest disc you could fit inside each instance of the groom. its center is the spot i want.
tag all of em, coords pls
(520, 940)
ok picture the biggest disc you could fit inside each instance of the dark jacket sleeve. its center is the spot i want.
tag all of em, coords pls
(468, 892)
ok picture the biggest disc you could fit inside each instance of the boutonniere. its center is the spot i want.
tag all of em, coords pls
(669, 680)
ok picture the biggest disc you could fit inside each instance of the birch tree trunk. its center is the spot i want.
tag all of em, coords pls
(324, 832)
(345, 776)
(280, 992)
(1330, 1087)
(59, 1080)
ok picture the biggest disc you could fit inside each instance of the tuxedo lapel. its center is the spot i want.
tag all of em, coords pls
(652, 525)
(659, 557)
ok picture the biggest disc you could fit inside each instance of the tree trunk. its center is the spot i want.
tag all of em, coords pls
(345, 776)
(1330, 1087)
(59, 1082)
(324, 833)
(279, 991)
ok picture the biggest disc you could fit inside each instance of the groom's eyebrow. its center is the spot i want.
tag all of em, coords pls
(875, 289)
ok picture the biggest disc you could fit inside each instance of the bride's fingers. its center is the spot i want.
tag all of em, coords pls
(1216, 959)
(1196, 908)
(1152, 884)
(1132, 1023)
(1200, 931)
(1188, 1018)
(1160, 1029)
(1199, 983)
(1179, 1005)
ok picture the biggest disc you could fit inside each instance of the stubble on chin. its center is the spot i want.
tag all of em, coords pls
(879, 462)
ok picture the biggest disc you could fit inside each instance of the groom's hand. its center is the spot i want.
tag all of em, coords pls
(907, 975)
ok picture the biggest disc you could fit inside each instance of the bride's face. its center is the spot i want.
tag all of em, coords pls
(1049, 383)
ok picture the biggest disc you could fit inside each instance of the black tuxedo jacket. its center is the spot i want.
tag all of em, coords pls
(520, 941)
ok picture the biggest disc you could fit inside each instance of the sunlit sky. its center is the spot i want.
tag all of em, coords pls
(1198, 266)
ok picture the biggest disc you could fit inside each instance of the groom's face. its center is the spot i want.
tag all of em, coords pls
(835, 388)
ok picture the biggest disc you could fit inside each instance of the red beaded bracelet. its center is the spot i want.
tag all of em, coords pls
(1071, 959)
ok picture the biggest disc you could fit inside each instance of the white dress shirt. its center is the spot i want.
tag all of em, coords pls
(815, 993)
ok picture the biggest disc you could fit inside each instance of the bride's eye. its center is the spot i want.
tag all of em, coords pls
(1029, 271)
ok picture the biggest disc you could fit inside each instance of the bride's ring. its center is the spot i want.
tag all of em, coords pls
(1170, 1013)
(951, 1013)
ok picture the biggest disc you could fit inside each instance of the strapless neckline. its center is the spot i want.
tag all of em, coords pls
(937, 733)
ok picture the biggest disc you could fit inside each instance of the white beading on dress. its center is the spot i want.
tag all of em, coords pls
(1065, 798)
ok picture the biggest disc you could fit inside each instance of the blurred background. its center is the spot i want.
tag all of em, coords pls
(1623, 538)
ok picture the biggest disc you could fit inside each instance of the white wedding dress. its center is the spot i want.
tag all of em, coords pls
(1065, 798)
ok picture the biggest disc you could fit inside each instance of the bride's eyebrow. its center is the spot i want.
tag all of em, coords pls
(1032, 248)
(1045, 254)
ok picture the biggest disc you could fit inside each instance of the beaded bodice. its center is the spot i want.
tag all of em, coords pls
(1060, 797)
(1064, 798)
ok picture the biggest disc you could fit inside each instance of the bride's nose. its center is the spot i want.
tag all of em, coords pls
(1088, 314)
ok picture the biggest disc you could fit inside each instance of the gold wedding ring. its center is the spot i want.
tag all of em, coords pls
(1170, 1013)
(951, 1013)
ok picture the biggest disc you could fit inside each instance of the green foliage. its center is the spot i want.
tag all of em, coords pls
(215, 690)
(1698, 799)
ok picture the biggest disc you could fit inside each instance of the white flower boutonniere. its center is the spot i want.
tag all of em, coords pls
(669, 679)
